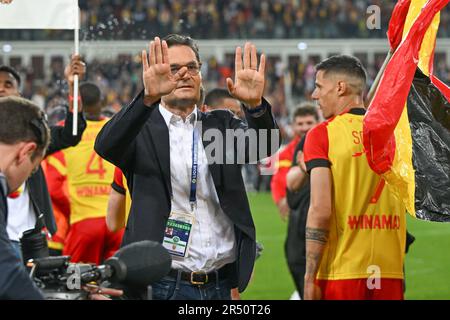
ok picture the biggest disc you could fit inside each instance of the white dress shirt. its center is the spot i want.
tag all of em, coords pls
(21, 216)
(213, 243)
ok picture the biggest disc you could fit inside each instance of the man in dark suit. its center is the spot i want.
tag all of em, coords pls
(34, 199)
(24, 138)
(183, 195)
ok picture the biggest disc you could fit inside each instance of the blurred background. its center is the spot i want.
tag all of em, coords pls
(294, 34)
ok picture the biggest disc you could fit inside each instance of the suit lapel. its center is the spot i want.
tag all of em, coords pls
(160, 137)
(214, 168)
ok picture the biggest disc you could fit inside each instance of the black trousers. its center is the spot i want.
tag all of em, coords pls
(295, 248)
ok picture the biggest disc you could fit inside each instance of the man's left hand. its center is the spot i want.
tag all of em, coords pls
(99, 293)
(248, 85)
(301, 161)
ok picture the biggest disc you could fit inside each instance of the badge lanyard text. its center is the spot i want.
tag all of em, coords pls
(194, 171)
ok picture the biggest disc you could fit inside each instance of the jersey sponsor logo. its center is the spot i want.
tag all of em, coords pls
(357, 139)
(90, 191)
(365, 221)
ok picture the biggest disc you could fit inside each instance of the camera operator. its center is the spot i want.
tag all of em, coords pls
(24, 138)
(32, 198)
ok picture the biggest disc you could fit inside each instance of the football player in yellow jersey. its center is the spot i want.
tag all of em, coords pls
(355, 234)
(119, 202)
(88, 180)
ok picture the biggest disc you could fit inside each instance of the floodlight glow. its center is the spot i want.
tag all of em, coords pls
(302, 46)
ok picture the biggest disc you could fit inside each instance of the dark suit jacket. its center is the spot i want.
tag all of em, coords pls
(137, 141)
(60, 138)
(14, 280)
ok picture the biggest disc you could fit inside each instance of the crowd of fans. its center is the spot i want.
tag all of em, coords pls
(120, 80)
(226, 19)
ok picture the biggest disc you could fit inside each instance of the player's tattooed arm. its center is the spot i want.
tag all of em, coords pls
(316, 239)
(317, 227)
(317, 234)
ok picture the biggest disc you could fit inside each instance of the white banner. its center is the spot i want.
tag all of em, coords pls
(39, 14)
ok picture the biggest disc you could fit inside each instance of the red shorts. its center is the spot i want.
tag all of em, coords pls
(357, 289)
(90, 241)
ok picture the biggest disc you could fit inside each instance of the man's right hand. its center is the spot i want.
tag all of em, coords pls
(312, 291)
(75, 67)
(157, 76)
(283, 209)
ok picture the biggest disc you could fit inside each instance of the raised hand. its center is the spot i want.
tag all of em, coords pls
(156, 74)
(75, 67)
(249, 81)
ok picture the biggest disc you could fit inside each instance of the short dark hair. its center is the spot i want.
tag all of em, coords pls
(201, 101)
(180, 40)
(21, 121)
(11, 71)
(90, 94)
(344, 64)
(306, 109)
(215, 97)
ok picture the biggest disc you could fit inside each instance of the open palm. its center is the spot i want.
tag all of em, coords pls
(248, 85)
(156, 74)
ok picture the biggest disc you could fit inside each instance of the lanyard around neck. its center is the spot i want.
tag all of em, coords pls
(194, 170)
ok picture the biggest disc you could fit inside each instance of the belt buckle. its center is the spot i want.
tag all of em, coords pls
(198, 282)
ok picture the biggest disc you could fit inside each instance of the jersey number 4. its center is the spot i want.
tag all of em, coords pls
(95, 166)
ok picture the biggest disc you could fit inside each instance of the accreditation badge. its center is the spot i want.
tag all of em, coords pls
(178, 233)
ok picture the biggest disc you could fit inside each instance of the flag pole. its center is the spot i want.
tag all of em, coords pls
(376, 82)
(75, 79)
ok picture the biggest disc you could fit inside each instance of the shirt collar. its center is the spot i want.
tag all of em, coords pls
(169, 116)
(358, 111)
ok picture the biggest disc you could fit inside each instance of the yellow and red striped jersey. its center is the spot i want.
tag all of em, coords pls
(120, 185)
(368, 223)
(88, 175)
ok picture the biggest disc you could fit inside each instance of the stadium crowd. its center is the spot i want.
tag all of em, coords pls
(129, 153)
(119, 81)
(219, 19)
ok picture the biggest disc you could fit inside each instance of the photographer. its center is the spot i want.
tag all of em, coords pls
(24, 138)
(32, 199)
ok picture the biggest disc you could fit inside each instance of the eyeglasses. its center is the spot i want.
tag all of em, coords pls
(192, 68)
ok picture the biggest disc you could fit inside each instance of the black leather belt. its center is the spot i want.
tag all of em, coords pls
(200, 277)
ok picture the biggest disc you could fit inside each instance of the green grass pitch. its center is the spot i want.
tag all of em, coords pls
(427, 263)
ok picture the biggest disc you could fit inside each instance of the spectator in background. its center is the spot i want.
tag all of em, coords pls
(298, 200)
(304, 118)
(220, 99)
(113, 19)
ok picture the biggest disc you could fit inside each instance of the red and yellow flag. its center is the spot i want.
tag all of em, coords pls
(407, 126)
